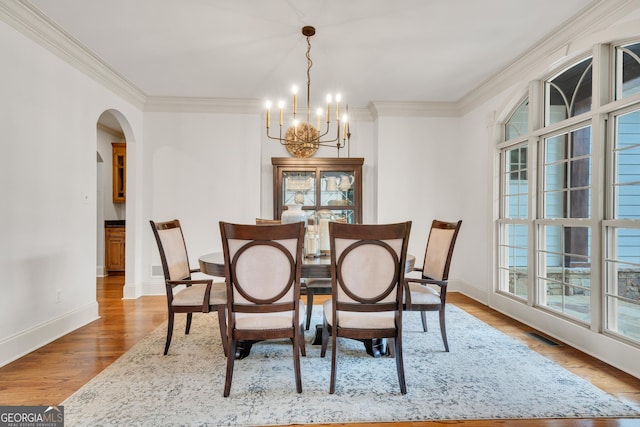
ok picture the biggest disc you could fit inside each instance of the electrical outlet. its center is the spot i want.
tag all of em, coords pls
(58, 295)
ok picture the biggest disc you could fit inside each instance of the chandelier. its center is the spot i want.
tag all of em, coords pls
(302, 138)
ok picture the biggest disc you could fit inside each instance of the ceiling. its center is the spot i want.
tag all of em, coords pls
(369, 50)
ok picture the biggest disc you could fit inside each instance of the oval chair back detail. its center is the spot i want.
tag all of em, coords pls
(367, 276)
(262, 268)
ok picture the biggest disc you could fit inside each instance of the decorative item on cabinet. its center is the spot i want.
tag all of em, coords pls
(119, 171)
(312, 238)
(324, 217)
(294, 213)
(114, 246)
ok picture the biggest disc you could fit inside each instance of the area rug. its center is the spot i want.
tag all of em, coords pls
(486, 375)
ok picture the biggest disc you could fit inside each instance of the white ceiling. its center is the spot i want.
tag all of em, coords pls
(369, 50)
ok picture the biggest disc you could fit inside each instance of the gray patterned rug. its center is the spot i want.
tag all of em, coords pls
(487, 375)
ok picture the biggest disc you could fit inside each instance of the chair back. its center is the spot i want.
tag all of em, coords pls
(262, 266)
(437, 257)
(172, 248)
(263, 221)
(368, 263)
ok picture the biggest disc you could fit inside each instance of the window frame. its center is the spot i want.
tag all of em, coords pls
(605, 105)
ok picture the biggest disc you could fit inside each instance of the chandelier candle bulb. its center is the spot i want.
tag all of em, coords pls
(268, 105)
(328, 108)
(294, 89)
(281, 105)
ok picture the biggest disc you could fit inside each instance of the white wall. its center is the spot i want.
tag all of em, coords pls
(201, 169)
(419, 169)
(48, 115)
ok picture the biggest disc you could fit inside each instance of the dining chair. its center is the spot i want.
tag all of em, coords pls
(262, 268)
(429, 291)
(198, 295)
(367, 273)
(264, 221)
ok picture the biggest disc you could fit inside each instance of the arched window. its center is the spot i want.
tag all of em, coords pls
(568, 94)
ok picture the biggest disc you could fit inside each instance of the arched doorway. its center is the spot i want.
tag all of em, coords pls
(111, 196)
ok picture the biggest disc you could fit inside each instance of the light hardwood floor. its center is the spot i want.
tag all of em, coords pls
(52, 373)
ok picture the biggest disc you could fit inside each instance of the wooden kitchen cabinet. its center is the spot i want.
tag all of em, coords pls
(114, 249)
(119, 171)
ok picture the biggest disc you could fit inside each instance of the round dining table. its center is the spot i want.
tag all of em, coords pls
(312, 268)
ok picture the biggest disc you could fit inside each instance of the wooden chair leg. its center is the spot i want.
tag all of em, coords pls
(443, 329)
(423, 316)
(222, 323)
(325, 337)
(400, 364)
(187, 328)
(296, 362)
(230, 360)
(334, 355)
(169, 332)
(309, 307)
(391, 347)
(303, 344)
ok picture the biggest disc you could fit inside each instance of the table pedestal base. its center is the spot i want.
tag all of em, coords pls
(376, 347)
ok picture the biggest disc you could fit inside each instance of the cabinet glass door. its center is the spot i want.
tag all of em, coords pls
(299, 187)
(336, 192)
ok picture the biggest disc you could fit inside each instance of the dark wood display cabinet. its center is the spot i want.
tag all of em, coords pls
(319, 183)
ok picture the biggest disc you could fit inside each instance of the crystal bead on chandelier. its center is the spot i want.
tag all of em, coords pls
(303, 139)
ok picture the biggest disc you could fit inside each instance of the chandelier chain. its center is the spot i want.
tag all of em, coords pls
(309, 65)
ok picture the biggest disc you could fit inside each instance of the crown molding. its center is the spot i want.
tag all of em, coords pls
(175, 104)
(413, 109)
(28, 20)
(554, 47)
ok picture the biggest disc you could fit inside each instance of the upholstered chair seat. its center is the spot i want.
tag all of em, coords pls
(421, 295)
(276, 320)
(356, 320)
(193, 295)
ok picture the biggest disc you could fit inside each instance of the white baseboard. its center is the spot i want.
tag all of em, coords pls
(22, 343)
(154, 288)
(100, 271)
